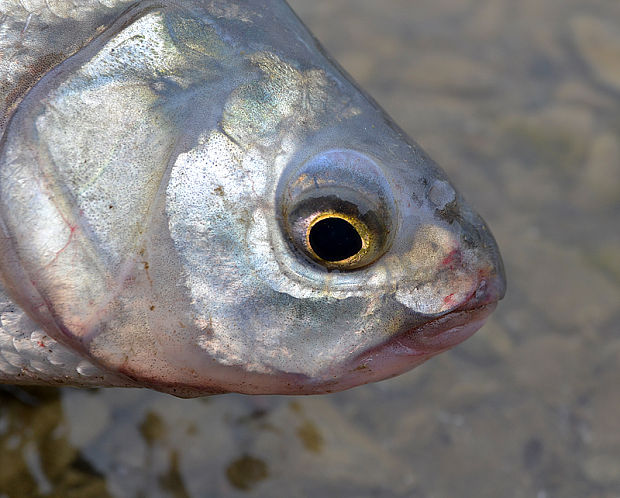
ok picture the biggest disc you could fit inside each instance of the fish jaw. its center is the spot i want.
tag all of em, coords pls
(404, 350)
(409, 349)
(399, 354)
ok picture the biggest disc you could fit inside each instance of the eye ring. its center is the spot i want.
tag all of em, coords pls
(337, 209)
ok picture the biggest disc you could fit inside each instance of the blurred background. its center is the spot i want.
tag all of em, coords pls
(520, 103)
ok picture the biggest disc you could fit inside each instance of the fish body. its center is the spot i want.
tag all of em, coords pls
(195, 198)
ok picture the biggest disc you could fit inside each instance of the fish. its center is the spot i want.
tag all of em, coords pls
(196, 198)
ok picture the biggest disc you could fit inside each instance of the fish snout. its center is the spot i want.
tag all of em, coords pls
(491, 289)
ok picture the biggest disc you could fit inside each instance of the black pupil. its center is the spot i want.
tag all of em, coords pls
(334, 239)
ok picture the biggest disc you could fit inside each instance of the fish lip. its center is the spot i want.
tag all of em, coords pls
(450, 328)
(409, 348)
(438, 334)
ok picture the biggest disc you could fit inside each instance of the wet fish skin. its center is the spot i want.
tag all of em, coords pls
(162, 170)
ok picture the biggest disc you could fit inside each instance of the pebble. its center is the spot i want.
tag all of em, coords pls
(605, 258)
(598, 44)
(571, 294)
(603, 469)
(97, 413)
(581, 93)
(451, 73)
(600, 179)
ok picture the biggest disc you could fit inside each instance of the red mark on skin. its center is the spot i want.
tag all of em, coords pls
(41, 344)
(72, 229)
(449, 299)
(452, 258)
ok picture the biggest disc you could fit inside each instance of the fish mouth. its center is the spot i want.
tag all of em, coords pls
(416, 343)
(409, 348)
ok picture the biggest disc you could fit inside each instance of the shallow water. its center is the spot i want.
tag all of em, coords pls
(520, 104)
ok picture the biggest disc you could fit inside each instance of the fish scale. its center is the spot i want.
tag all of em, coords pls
(29, 356)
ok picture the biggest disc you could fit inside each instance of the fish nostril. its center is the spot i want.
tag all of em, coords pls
(334, 239)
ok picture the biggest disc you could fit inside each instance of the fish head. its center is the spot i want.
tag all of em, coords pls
(204, 202)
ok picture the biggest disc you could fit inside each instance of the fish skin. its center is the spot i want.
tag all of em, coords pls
(239, 133)
(29, 356)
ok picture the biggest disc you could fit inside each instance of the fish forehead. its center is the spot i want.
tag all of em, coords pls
(214, 108)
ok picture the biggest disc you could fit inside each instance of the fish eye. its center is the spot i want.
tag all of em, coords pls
(333, 238)
(337, 210)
